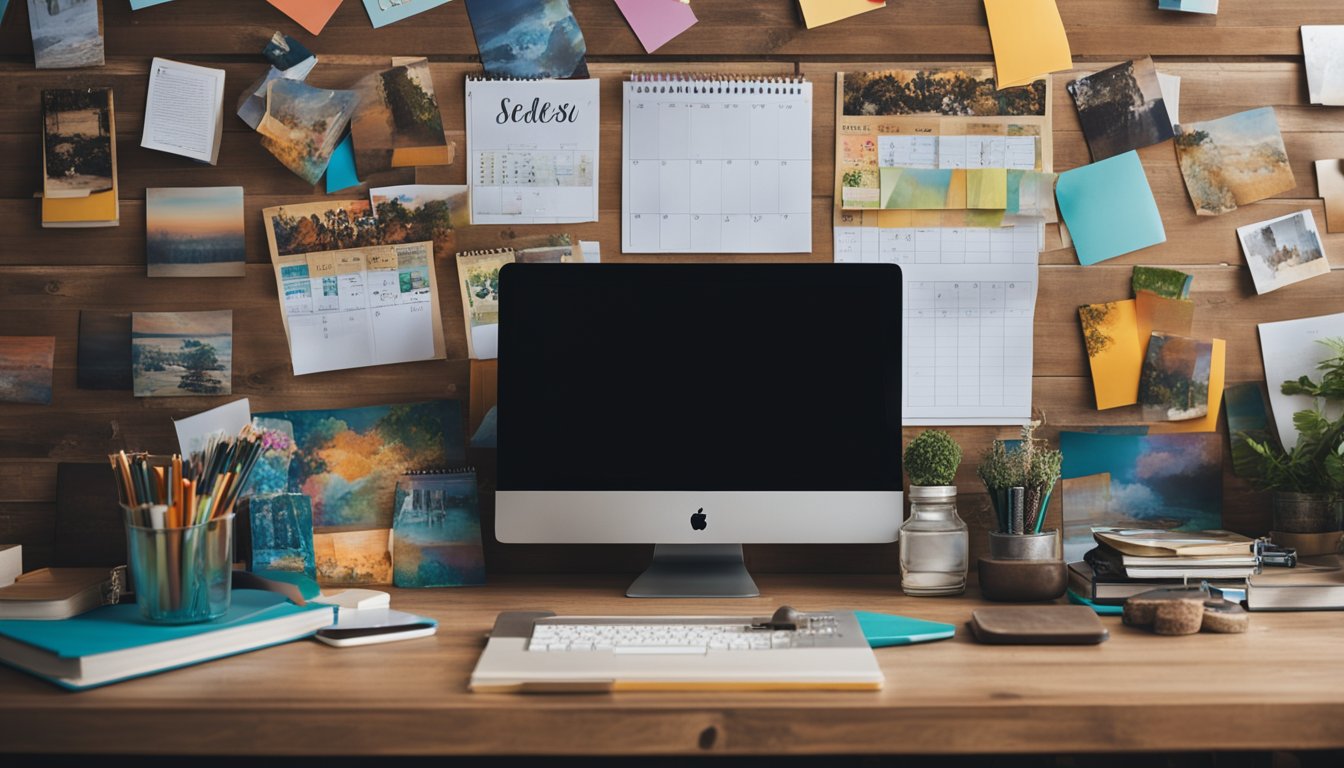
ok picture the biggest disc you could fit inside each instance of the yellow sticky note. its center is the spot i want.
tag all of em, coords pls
(819, 12)
(1029, 40)
(1217, 379)
(1110, 332)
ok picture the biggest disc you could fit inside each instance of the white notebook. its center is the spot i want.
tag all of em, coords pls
(717, 165)
(533, 153)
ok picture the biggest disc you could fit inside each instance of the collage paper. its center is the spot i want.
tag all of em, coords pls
(1122, 108)
(303, 124)
(1174, 383)
(1110, 334)
(398, 123)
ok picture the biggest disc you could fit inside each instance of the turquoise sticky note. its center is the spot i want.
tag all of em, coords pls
(341, 168)
(1102, 610)
(1109, 208)
(884, 629)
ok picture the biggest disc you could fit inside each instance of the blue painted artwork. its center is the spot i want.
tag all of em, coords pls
(528, 38)
(436, 533)
(282, 533)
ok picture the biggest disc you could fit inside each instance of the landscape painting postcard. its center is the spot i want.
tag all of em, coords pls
(330, 225)
(302, 125)
(398, 123)
(1283, 251)
(1233, 161)
(436, 531)
(282, 533)
(1111, 337)
(77, 151)
(26, 364)
(1166, 482)
(104, 351)
(1174, 384)
(351, 558)
(1121, 108)
(176, 354)
(528, 38)
(66, 33)
(195, 232)
(348, 461)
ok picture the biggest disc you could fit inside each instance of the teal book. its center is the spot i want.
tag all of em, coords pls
(111, 644)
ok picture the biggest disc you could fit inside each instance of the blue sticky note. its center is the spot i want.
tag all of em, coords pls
(341, 169)
(384, 12)
(884, 629)
(135, 4)
(1109, 208)
(1101, 609)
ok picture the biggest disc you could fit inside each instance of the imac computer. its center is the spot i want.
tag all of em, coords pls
(698, 407)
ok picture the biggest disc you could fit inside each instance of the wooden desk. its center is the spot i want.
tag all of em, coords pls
(1277, 687)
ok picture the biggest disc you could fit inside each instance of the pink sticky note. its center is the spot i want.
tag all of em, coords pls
(657, 21)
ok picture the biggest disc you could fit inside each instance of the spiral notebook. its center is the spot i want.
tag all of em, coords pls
(717, 165)
(532, 149)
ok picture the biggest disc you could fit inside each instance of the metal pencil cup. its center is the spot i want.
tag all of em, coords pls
(180, 575)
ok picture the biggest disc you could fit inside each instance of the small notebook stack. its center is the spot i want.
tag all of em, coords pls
(1128, 562)
(79, 158)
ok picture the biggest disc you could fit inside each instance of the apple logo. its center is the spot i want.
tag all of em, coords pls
(699, 521)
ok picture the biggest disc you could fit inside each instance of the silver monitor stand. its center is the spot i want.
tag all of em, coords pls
(695, 570)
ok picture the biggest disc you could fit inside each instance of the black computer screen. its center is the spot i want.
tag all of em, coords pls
(699, 377)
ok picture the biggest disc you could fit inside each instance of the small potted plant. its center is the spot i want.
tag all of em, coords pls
(933, 539)
(1307, 481)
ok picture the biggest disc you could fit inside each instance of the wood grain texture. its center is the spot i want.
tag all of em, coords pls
(1247, 56)
(1278, 683)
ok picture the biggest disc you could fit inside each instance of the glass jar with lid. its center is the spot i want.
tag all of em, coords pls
(934, 545)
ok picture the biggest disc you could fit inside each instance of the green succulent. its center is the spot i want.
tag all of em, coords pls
(932, 458)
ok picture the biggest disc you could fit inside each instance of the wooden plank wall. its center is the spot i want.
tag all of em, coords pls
(1247, 56)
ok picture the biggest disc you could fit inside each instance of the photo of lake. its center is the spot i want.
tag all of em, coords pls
(177, 354)
(194, 232)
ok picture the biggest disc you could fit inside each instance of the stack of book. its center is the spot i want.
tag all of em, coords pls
(1128, 562)
(79, 158)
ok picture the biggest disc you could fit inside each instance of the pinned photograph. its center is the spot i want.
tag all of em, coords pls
(77, 146)
(302, 125)
(104, 351)
(436, 531)
(195, 232)
(351, 558)
(282, 533)
(1283, 251)
(66, 33)
(1323, 47)
(177, 354)
(332, 225)
(970, 92)
(528, 38)
(1233, 161)
(1174, 384)
(416, 213)
(1121, 108)
(398, 123)
(25, 369)
(478, 277)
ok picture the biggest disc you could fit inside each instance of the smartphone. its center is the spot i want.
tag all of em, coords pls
(376, 625)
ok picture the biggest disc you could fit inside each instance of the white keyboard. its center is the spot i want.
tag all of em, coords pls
(673, 637)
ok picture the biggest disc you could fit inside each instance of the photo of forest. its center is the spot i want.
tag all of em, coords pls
(1121, 108)
(77, 141)
(410, 214)
(953, 92)
(195, 232)
(398, 122)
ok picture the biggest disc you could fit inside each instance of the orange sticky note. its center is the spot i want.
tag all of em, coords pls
(1217, 380)
(312, 15)
(1110, 332)
(1029, 40)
